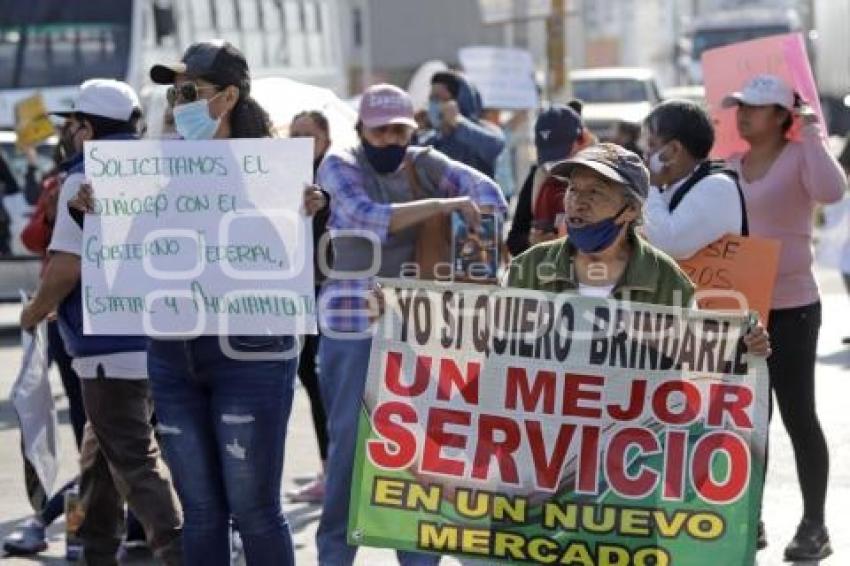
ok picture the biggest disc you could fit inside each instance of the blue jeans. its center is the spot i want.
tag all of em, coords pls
(222, 425)
(342, 380)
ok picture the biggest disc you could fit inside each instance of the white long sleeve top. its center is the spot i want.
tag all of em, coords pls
(710, 210)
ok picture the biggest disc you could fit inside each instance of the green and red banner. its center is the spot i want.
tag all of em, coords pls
(523, 426)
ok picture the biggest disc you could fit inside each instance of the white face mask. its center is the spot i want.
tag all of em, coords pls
(656, 164)
(193, 121)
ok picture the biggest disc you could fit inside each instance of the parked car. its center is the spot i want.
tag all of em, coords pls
(614, 94)
(19, 269)
(694, 93)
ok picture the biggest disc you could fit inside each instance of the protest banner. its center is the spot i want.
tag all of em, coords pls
(33, 404)
(198, 238)
(32, 125)
(513, 425)
(745, 265)
(727, 69)
(503, 75)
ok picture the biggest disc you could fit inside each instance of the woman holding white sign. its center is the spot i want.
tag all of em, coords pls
(223, 415)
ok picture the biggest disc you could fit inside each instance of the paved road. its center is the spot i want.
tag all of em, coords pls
(782, 501)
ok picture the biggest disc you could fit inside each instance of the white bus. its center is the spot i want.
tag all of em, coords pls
(54, 45)
(51, 46)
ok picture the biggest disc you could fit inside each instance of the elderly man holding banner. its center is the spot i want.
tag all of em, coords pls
(583, 414)
(603, 256)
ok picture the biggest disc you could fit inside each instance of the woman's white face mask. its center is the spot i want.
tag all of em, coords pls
(193, 121)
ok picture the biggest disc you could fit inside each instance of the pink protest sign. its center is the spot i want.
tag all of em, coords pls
(726, 69)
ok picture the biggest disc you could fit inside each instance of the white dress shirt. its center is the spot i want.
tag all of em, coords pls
(709, 211)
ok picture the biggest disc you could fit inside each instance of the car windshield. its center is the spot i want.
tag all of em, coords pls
(609, 90)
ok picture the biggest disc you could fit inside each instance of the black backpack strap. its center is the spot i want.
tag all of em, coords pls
(704, 170)
(745, 224)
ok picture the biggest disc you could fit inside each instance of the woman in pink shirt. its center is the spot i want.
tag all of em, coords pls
(782, 181)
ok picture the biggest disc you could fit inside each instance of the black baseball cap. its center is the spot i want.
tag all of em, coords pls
(216, 61)
(613, 162)
(556, 130)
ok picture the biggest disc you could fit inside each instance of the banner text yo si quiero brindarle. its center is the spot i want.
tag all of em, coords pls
(552, 429)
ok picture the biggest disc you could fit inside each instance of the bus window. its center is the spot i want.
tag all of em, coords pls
(47, 43)
(163, 21)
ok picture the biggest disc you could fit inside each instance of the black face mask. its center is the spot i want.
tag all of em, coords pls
(385, 159)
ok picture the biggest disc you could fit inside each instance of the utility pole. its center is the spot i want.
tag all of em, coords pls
(510, 25)
(556, 50)
(677, 39)
(366, 23)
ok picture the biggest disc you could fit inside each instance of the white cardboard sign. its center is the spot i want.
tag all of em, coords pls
(193, 238)
(503, 75)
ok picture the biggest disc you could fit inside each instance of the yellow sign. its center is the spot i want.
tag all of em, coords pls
(31, 122)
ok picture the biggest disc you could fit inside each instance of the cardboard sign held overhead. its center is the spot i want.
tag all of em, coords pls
(747, 265)
(727, 69)
(31, 122)
(503, 75)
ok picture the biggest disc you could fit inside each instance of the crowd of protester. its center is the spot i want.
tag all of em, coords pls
(139, 405)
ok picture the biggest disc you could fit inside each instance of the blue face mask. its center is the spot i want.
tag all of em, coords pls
(598, 236)
(435, 113)
(193, 121)
(385, 159)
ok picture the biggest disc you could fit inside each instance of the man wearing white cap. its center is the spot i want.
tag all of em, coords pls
(373, 193)
(120, 459)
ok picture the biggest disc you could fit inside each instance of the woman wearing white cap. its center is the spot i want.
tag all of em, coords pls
(782, 181)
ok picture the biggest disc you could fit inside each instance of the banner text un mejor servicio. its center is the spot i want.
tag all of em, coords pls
(552, 429)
